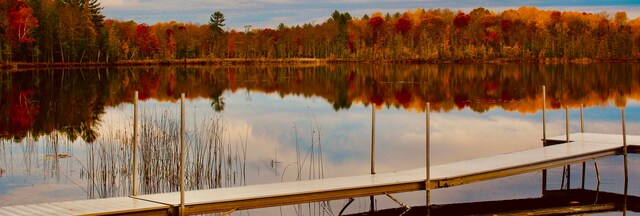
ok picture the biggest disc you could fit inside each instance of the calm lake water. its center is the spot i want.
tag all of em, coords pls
(65, 134)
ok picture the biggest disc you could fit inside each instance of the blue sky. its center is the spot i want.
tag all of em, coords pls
(269, 13)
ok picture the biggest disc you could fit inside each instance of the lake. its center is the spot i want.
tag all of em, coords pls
(65, 134)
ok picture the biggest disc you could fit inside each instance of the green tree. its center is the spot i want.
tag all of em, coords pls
(216, 22)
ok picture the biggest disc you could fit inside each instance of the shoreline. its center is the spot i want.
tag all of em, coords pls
(295, 61)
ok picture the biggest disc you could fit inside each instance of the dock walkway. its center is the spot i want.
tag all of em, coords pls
(583, 147)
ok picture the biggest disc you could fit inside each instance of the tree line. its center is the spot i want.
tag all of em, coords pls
(76, 31)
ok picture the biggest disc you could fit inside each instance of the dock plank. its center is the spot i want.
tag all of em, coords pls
(12, 210)
(32, 211)
(120, 205)
(598, 138)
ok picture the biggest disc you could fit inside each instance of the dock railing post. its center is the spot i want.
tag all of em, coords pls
(428, 159)
(584, 164)
(544, 136)
(134, 189)
(626, 168)
(544, 116)
(566, 116)
(182, 156)
(373, 149)
(373, 139)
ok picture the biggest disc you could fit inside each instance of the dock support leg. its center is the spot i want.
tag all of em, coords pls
(566, 115)
(584, 164)
(373, 150)
(182, 156)
(428, 160)
(134, 189)
(345, 206)
(373, 139)
(595, 165)
(626, 168)
(544, 182)
(544, 137)
(406, 207)
(583, 171)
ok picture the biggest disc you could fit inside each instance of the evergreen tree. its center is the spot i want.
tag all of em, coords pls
(216, 22)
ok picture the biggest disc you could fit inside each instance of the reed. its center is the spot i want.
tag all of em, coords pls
(211, 160)
(308, 163)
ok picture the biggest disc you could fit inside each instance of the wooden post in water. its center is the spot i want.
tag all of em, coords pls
(182, 155)
(584, 164)
(544, 116)
(428, 159)
(373, 139)
(134, 190)
(544, 136)
(373, 149)
(566, 118)
(626, 168)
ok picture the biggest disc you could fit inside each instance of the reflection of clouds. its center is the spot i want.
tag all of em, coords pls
(40, 193)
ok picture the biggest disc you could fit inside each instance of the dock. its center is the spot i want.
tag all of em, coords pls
(582, 147)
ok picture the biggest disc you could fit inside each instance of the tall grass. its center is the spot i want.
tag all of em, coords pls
(309, 165)
(211, 160)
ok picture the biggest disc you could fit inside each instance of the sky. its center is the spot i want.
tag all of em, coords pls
(270, 13)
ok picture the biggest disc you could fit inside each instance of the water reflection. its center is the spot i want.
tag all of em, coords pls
(73, 100)
(261, 124)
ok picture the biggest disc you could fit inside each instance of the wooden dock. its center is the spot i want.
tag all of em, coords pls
(583, 147)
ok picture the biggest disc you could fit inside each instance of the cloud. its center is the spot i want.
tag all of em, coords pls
(269, 13)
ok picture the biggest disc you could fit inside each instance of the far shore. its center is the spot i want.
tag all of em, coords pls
(290, 61)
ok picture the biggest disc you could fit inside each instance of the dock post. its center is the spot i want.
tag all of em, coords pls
(626, 168)
(566, 116)
(428, 159)
(373, 139)
(544, 116)
(373, 149)
(584, 164)
(544, 136)
(581, 118)
(134, 189)
(182, 155)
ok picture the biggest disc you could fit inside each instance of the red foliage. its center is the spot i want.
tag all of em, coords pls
(232, 45)
(23, 111)
(492, 36)
(232, 79)
(403, 25)
(376, 22)
(171, 42)
(555, 16)
(270, 33)
(20, 22)
(171, 83)
(461, 101)
(404, 97)
(505, 25)
(462, 20)
(351, 42)
(148, 87)
(146, 40)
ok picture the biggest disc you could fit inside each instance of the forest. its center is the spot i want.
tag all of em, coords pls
(61, 31)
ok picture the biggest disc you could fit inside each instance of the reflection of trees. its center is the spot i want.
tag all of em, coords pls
(72, 101)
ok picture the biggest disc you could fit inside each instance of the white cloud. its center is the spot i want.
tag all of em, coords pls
(269, 13)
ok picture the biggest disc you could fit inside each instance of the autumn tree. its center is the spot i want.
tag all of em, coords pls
(18, 28)
(146, 40)
(171, 44)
